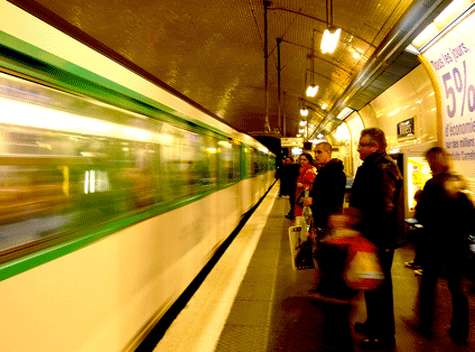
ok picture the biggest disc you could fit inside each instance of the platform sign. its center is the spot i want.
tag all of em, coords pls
(452, 61)
(291, 142)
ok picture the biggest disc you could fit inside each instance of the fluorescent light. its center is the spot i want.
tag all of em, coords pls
(304, 111)
(344, 113)
(312, 90)
(330, 40)
(356, 54)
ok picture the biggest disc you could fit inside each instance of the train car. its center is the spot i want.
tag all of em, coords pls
(114, 192)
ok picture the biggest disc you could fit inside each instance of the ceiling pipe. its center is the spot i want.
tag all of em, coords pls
(279, 88)
(266, 3)
(416, 18)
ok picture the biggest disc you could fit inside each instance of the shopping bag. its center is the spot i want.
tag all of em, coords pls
(300, 248)
(363, 271)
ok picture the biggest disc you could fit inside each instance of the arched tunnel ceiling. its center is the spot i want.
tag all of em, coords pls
(212, 51)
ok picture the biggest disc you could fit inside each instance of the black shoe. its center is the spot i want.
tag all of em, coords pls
(412, 265)
(457, 339)
(361, 328)
(418, 328)
(378, 343)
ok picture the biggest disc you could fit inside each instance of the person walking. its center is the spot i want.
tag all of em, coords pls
(447, 215)
(376, 193)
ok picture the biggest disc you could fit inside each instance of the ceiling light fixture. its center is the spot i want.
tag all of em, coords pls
(312, 89)
(331, 35)
(304, 111)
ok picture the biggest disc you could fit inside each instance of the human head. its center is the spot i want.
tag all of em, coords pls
(438, 159)
(305, 159)
(323, 153)
(372, 140)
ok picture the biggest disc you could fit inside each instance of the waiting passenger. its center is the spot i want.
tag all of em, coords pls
(448, 217)
(327, 193)
(376, 193)
(307, 173)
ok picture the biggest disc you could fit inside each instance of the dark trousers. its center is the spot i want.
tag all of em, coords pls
(379, 302)
(292, 202)
(427, 293)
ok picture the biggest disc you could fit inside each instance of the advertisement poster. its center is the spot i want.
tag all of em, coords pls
(452, 60)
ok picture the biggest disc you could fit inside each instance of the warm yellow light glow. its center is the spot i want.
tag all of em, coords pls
(312, 90)
(449, 14)
(225, 144)
(211, 150)
(324, 106)
(302, 130)
(303, 123)
(330, 40)
(342, 133)
(304, 111)
(356, 54)
(344, 113)
(18, 113)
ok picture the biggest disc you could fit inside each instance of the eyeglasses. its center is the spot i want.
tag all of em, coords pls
(367, 144)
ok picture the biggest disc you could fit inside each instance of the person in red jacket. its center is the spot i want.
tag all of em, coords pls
(307, 173)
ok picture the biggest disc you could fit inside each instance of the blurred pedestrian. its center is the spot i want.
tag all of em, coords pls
(448, 216)
(376, 193)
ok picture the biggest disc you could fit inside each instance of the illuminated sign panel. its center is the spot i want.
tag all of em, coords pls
(451, 59)
(406, 128)
(291, 142)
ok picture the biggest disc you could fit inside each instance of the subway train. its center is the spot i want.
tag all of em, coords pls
(114, 193)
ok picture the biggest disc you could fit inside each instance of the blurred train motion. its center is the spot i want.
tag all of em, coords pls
(113, 194)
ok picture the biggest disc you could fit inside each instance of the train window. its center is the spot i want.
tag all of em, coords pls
(229, 162)
(67, 165)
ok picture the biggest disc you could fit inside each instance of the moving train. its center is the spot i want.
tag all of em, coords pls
(114, 193)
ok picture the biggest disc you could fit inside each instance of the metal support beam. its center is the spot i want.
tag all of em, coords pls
(267, 3)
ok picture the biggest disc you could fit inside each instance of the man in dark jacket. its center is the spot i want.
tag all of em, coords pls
(376, 193)
(291, 174)
(328, 190)
(325, 198)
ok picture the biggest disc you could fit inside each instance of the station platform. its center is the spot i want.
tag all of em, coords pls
(253, 300)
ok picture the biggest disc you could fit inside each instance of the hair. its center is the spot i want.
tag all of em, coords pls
(439, 157)
(327, 146)
(377, 136)
(308, 156)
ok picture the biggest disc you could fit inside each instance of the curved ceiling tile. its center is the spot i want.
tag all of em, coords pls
(212, 51)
